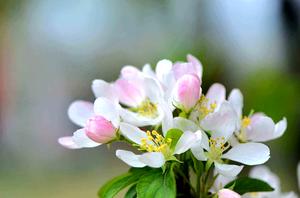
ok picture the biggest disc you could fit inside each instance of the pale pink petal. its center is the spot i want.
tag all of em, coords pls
(130, 72)
(68, 142)
(187, 91)
(129, 93)
(196, 64)
(100, 129)
(226, 193)
(80, 111)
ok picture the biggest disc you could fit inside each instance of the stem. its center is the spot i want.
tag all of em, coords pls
(198, 185)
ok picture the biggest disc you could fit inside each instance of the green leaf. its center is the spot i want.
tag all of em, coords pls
(157, 184)
(246, 184)
(115, 185)
(131, 193)
(197, 166)
(174, 134)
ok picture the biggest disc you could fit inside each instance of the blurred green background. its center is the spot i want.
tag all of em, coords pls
(51, 50)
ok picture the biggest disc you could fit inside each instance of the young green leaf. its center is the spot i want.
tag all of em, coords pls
(246, 184)
(131, 193)
(174, 135)
(158, 185)
(115, 185)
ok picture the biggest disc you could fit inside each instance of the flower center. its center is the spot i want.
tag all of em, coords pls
(246, 121)
(217, 147)
(205, 109)
(155, 143)
(147, 109)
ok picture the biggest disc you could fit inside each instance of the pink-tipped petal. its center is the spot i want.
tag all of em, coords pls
(100, 130)
(226, 193)
(130, 93)
(193, 66)
(68, 142)
(188, 91)
(196, 64)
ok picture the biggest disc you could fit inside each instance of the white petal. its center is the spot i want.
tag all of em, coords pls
(204, 142)
(221, 123)
(220, 182)
(109, 110)
(184, 124)
(163, 68)
(82, 140)
(264, 173)
(198, 152)
(130, 158)
(153, 90)
(185, 142)
(298, 175)
(280, 128)
(167, 121)
(104, 89)
(216, 94)
(260, 129)
(147, 71)
(139, 120)
(236, 100)
(131, 132)
(249, 153)
(228, 170)
(153, 159)
(68, 142)
(289, 195)
(80, 111)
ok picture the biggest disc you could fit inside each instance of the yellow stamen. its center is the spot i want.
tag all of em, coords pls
(246, 121)
(155, 142)
(147, 109)
(203, 107)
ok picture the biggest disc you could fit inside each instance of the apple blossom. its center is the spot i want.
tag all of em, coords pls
(99, 121)
(157, 148)
(257, 127)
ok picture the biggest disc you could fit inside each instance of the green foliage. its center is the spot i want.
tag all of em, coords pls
(159, 185)
(174, 134)
(246, 184)
(115, 185)
(131, 193)
(146, 182)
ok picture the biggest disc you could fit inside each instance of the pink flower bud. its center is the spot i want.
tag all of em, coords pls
(188, 91)
(100, 130)
(226, 193)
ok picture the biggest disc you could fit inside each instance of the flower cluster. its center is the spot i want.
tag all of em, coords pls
(175, 130)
